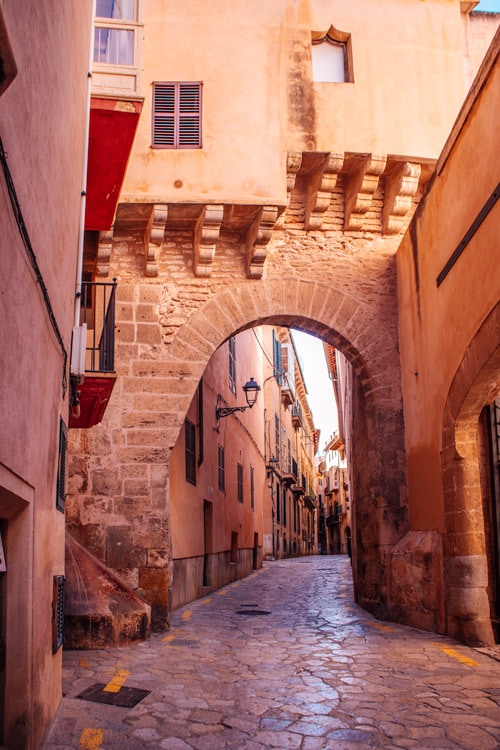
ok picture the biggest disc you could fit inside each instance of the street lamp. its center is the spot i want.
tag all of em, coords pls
(251, 389)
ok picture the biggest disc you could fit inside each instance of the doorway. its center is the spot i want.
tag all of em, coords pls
(207, 537)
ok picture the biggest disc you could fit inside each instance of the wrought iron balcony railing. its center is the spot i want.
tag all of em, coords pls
(98, 312)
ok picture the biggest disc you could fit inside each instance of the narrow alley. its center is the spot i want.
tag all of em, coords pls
(282, 659)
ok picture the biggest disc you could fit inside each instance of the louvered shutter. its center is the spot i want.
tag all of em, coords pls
(61, 467)
(190, 452)
(177, 115)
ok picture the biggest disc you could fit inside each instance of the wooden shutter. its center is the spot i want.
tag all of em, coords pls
(177, 115)
(190, 452)
(240, 483)
(61, 467)
(220, 467)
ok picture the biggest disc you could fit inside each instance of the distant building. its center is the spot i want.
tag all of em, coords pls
(241, 477)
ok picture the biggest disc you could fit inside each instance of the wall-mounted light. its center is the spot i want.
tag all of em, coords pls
(251, 389)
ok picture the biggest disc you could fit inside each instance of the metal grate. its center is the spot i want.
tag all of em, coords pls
(252, 612)
(57, 613)
(126, 697)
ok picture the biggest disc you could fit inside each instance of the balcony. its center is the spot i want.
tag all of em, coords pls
(296, 415)
(334, 515)
(91, 396)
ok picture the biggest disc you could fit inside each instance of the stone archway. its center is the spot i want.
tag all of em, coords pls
(475, 384)
(119, 500)
(378, 439)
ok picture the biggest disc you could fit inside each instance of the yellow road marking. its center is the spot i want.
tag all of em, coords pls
(458, 656)
(117, 681)
(205, 601)
(91, 739)
(377, 625)
(84, 662)
(221, 592)
(187, 614)
(168, 638)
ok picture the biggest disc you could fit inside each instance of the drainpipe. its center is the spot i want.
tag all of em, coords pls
(77, 367)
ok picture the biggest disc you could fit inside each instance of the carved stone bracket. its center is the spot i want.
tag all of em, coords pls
(258, 236)
(206, 235)
(103, 258)
(400, 187)
(361, 185)
(293, 162)
(320, 188)
(154, 238)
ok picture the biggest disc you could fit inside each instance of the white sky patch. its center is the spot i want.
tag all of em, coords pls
(319, 386)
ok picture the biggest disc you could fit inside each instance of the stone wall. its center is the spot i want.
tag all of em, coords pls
(334, 283)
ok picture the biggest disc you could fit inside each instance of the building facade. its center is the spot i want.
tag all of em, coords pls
(229, 192)
(42, 147)
(241, 476)
(448, 297)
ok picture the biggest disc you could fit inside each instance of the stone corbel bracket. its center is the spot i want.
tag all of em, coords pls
(259, 234)
(206, 234)
(320, 187)
(104, 246)
(362, 183)
(293, 164)
(401, 184)
(154, 238)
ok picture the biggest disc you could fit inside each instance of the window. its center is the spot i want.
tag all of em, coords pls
(252, 487)
(232, 364)
(277, 435)
(277, 359)
(190, 451)
(220, 468)
(114, 43)
(331, 56)
(62, 467)
(177, 115)
(117, 47)
(240, 483)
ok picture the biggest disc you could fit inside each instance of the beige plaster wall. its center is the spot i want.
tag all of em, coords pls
(42, 116)
(259, 100)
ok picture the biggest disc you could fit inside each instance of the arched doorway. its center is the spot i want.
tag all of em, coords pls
(470, 544)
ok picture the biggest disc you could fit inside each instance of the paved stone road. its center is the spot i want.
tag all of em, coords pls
(315, 672)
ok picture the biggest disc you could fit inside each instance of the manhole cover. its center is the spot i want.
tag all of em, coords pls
(183, 642)
(126, 697)
(252, 612)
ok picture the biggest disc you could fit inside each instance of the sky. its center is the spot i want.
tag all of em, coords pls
(319, 386)
(492, 6)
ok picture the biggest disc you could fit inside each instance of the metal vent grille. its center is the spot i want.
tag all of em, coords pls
(126, 697)
(57, 613)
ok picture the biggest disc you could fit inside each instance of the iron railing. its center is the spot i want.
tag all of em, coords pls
(98, 312)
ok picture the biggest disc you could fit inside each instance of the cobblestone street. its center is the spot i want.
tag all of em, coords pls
(284, 659)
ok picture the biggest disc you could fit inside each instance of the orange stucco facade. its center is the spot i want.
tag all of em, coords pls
(288, 212)
(448, 294)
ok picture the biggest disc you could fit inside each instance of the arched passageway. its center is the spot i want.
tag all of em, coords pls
(127, 521)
